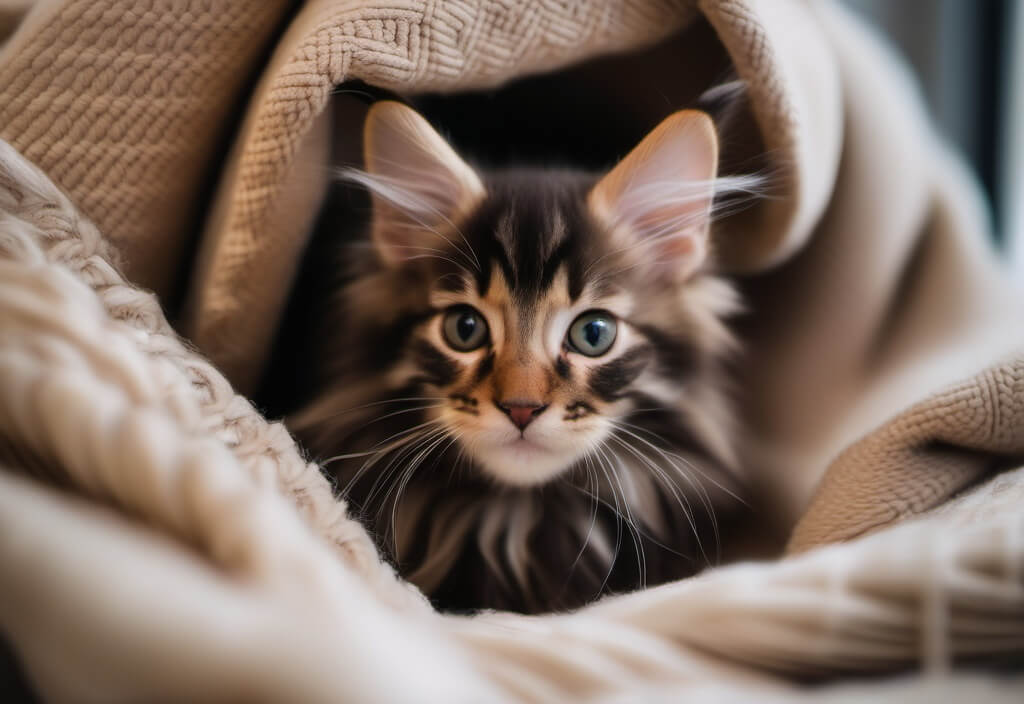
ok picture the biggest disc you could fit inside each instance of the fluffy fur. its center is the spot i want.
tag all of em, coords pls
(616, 478)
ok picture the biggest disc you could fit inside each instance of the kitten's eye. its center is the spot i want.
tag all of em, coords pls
(592, 333)
(464, 328)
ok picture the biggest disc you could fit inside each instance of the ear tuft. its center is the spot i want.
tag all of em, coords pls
(418, 184)
(660, 196)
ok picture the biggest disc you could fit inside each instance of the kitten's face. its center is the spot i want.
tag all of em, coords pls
(535, 282)
(550, 332)
(534, 357)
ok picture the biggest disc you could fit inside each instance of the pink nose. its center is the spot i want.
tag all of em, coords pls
(522, 413)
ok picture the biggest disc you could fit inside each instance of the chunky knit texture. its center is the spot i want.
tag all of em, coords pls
(140, 492)
(158, 539)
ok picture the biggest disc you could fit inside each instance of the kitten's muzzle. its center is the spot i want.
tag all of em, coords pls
(521, 413)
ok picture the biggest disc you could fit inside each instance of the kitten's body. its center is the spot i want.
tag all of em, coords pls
(524, 474)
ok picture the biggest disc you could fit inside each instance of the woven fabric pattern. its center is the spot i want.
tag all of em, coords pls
(186, 507)
(124, 104)
(212, 517)
(920, 458)
(406, 46)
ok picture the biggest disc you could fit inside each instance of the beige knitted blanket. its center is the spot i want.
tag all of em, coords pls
(158, 539)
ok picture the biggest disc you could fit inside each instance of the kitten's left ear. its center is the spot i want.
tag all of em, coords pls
(659, 197)
(417, 181)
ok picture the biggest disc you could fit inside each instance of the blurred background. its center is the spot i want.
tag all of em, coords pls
(969, 57)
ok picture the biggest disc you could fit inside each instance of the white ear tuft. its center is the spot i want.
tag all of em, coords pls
(659, 197)
(418, 184)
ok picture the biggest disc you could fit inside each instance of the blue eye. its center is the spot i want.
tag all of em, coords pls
(592, 333)
(464, 328)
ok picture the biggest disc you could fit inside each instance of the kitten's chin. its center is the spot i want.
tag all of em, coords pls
(524, 463)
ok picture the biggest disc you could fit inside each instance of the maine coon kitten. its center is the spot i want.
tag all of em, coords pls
(520, 386)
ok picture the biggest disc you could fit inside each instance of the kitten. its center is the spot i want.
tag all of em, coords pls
(521, 386)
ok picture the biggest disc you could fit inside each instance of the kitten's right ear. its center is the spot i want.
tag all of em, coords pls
(659, 198)
(417, 182)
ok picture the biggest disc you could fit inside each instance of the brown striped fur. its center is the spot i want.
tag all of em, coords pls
(617, 478)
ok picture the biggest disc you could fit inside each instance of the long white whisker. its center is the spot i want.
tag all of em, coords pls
(409, 435)
(407, 477)
(407, 399)
(591, 479)
(618, 522)
(679, 497)
(376, 448)
(700, 489)
(704, 475)
(395, 462)
(635, 532)
(395, 192)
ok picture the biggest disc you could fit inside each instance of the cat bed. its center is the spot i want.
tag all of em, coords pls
(160, 539)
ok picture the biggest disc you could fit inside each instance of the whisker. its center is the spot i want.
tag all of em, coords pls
(701, 490)
(407, 477)
(618, 524)
(635, 532)
(393, 464)
(352, 409)
(373, 450)
(591, 479)
(410, 203)
(679, 497)
(407, 436)
(704, 475)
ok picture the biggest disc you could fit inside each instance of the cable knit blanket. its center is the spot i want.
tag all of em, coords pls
(160, 540)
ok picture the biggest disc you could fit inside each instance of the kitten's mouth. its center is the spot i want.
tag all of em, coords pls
(527, 444)
(524, 461)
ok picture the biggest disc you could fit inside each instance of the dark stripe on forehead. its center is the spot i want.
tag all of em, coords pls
(492, 253)
(532, 223)
(608, 380)
(555, 261)
(577, 283)
(438, 367)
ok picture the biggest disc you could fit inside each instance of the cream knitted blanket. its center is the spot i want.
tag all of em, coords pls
(158, 539)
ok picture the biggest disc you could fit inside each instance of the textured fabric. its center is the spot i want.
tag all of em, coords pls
(401, 45)
(856, 311)
(411, 46)
(870, 284)
(920, 458)
(160, 541)
(147, 387)
(125, 103)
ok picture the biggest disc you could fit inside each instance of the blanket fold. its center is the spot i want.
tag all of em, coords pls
(180, 516)
(160, 539)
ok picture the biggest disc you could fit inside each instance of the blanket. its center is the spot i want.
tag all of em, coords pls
(160, 539)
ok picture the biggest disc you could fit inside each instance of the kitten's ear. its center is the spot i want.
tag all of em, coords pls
(417, 181)
(658, 199)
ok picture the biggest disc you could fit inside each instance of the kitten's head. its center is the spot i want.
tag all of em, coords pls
(535, 310)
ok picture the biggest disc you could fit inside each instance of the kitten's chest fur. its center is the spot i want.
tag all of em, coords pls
(471, 546)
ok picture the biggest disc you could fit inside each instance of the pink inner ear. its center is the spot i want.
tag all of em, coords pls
(418, 182)
(662, 192)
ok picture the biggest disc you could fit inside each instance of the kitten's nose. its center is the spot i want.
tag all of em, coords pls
(521, 413)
